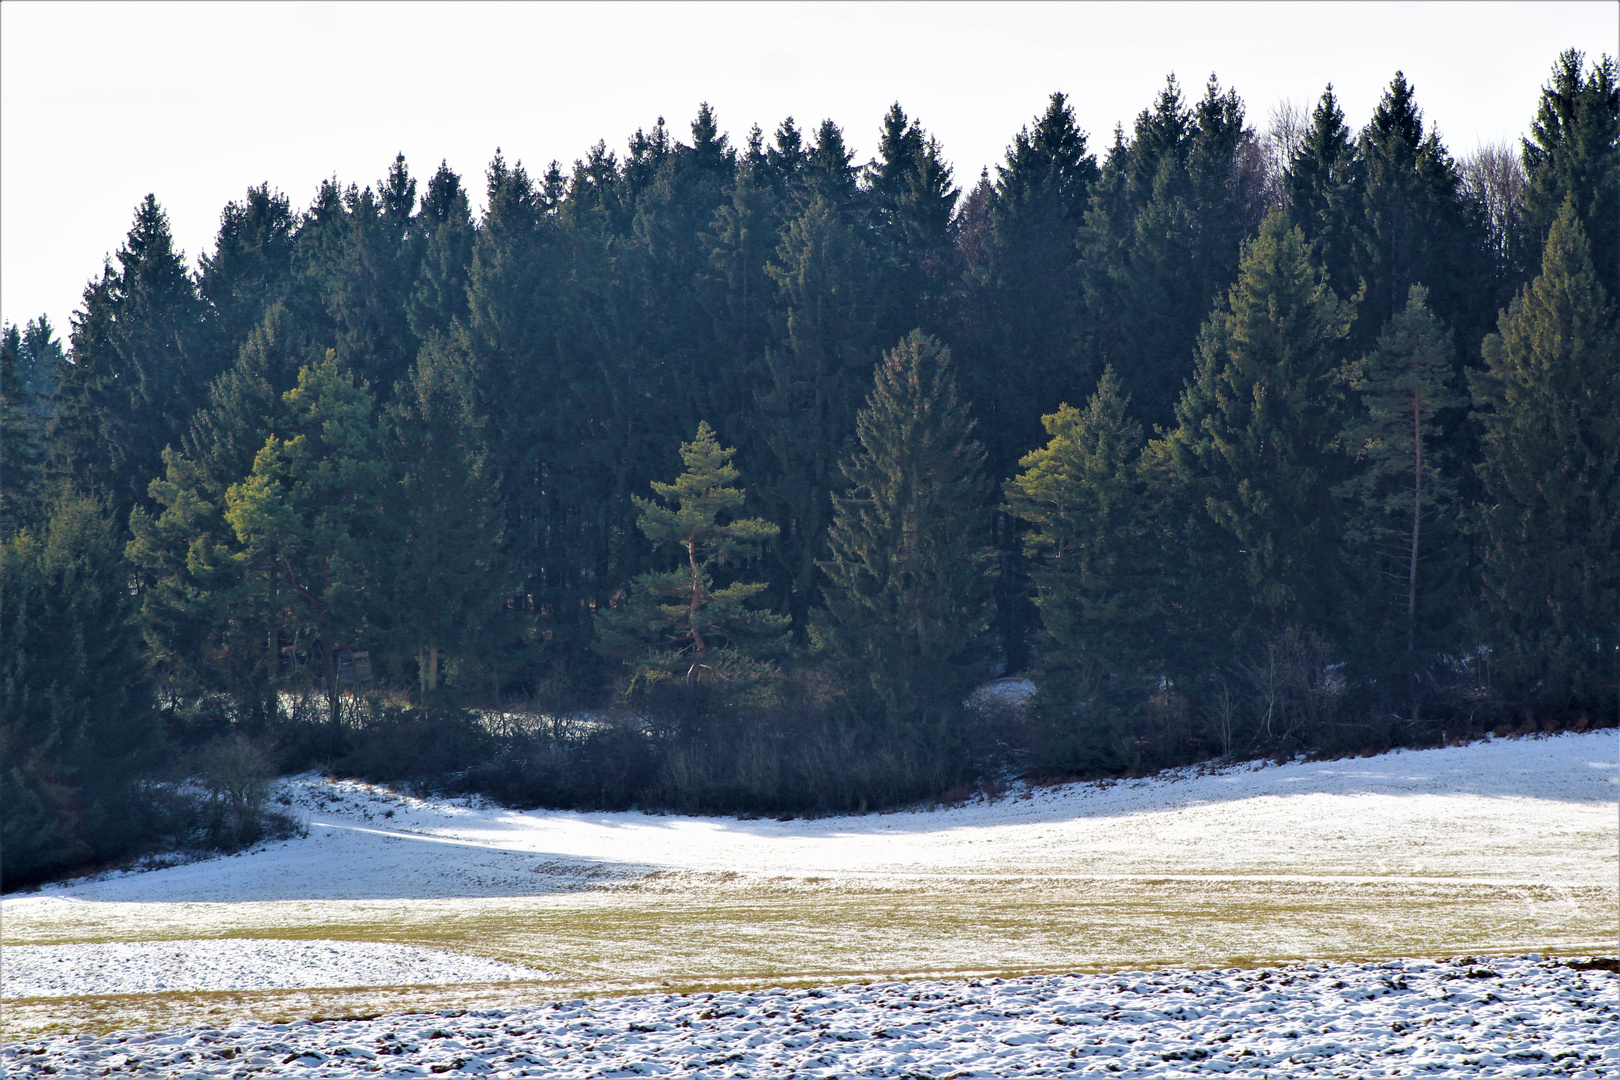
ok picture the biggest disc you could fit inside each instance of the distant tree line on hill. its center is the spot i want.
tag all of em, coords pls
(718, 476)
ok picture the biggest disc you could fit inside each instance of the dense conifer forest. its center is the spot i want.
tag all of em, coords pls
(718, 474)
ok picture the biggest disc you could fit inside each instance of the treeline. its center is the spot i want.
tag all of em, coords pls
(755, 461)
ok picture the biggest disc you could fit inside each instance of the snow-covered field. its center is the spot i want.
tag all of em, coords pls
(394, 903)
(1500, 1018)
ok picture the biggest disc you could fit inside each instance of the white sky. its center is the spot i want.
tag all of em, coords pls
(101, 103)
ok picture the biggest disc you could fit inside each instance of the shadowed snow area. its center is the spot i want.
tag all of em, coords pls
(1523, 809)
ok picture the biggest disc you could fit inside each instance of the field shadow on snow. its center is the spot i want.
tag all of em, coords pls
(341, 861)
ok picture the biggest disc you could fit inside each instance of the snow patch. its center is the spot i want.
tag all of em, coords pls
(148, 967)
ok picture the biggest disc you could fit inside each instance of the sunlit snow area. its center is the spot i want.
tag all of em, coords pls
(1198, 881)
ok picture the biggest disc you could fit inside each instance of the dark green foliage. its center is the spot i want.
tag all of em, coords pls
(138, 370)
(1417, 225)
(308, 512)
(382, 423)
(908, 596)
(31, 362)
(817, 375)
(1021, 351)
(1093, 550)
(1549, 402)
(1402, 527)
(250, 269)
(1257, 439)
(1322, 188)
(681, 622)
(1161, 240)
(79, 723)
(443, 572)
(1574, 152)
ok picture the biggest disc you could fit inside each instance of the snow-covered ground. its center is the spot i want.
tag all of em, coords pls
(1522, 809)
(150, 967)
(1521, 1017)
(1506, 847)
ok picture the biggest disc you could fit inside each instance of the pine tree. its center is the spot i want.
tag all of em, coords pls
(1574, 150)
(308, 510)
(681, 613)
(1549, 401)
(1402, 526)
(908, 597)
(1258, 434)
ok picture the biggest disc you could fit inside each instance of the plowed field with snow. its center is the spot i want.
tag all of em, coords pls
(395, 904)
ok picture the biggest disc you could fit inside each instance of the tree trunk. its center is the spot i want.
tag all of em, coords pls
(697, 634)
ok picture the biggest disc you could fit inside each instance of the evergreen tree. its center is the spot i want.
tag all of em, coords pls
(682, 613)
(444, 228)
(807, 411)
(1549, 401)
(908, 597)
(31, 361)
(77, 721)
(369, 277)
(1022, 349)
(446, 579)
(909, 190)
(1574, 151)
(1417, 225)
(249, 271)
(1323, 192)
(1094, 556)
(1402, 526)
(1161, 241)
(308, 510)
(1257, 439)
(137, 373)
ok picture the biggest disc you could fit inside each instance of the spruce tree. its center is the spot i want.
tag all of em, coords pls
(679, 621)
(446, 577)
(1257, 438)
(908, 599)
(31, 362)
(1161, 241)
(1549, 402)
(1402, 525)
(1021, 350)
(1094, 556)
(1323, 192)
(1417, 226)
(1574, 150)
(249, 270)
(138, 372)
(807, 409)
(77, 717)
(444, 229)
